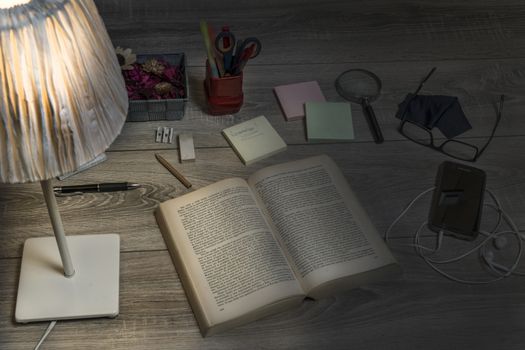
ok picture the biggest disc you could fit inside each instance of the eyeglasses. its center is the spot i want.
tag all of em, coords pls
(452, 148)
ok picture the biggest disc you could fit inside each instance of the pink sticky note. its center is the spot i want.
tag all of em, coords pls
(292, 98)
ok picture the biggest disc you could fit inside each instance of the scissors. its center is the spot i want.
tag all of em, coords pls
(224, 43)
(245, 50)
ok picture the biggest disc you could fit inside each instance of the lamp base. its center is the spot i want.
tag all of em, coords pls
(44, 293)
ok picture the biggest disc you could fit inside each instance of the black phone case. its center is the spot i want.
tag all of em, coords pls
(457, 200)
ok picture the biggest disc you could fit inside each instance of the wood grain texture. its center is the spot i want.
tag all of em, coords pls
(478, 49)
(297, 32)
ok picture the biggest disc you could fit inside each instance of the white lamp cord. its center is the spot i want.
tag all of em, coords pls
(46, 333)
(485, 255)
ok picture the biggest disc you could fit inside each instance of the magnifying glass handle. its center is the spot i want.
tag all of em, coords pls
(372, 121)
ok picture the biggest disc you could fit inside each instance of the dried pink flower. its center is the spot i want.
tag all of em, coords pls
(144, 84)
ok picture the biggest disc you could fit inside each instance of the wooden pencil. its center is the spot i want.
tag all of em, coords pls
(172, 170)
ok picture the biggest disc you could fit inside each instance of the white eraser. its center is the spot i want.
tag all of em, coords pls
(170, 138)
(186, 148)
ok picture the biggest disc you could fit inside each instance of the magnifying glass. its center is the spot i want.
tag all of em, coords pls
(363, 87)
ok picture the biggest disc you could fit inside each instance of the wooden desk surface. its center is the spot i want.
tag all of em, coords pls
(478, 47)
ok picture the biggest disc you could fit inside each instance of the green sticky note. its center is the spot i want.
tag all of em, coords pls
(329, 121)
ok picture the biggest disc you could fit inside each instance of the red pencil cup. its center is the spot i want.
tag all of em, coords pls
(224, 95)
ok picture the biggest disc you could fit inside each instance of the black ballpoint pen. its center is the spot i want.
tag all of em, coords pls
(103, 187)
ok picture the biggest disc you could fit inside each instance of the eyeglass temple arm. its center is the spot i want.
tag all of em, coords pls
(498, 117)
(425, 80)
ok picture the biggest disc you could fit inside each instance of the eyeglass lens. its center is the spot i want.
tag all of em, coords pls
(416, 133)
(453, 148)
(459, 150)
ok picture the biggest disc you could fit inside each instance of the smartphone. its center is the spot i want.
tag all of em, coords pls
(457, 201)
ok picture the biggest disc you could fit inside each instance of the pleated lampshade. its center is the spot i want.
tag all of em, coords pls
(62, 96)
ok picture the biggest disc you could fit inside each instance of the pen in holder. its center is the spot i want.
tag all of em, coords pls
(223, 95)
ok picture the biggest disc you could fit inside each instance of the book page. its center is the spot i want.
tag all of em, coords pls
(324, 230)
(232, 261)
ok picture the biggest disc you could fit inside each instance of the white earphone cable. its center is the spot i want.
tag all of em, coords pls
(498, 269)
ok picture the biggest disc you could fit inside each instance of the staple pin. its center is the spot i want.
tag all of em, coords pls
(166, 135)
(158, 137)
(186, 148)
(171, 136)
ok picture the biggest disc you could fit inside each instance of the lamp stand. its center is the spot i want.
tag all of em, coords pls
(57, 285)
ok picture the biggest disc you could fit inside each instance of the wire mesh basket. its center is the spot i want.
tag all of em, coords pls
(163, 109)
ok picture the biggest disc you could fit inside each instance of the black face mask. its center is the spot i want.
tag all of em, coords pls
(443, 112)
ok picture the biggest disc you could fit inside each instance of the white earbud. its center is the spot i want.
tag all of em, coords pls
(500, 242)
(488, 256)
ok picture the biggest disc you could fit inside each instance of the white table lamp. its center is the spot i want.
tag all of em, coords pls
(62, 103)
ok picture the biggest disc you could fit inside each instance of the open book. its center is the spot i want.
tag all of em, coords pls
(246, 249)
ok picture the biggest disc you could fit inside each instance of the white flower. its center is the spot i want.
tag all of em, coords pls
(126, 58)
